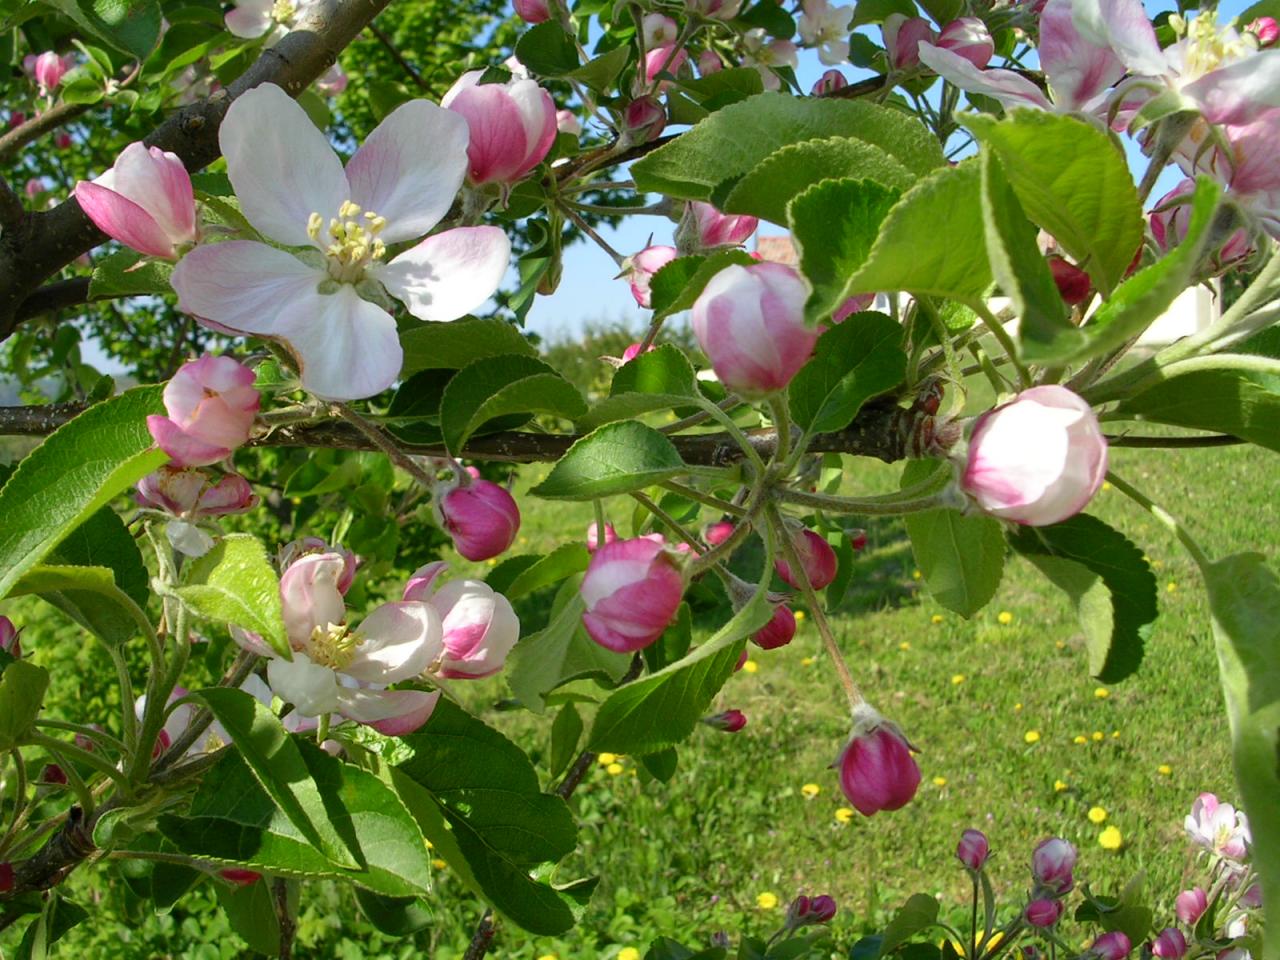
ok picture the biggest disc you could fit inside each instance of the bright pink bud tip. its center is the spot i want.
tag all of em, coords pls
(593, 536)
(1043, 913)
(857, 539)
(1111, 946)
(6, 877)
(664, 59)
(750, 323)
(241, 878)
(639, 269)
(634, 351)
(513, 126)
(1037, 459)
(1052, 865)
(816, 557)
(1170, 944)
(52, 773)
(829, 82)
(808, 910)
(632, 589)
(968, 37)
(9, 641)
(644, 119)
(742, 659)
(902, 37)
(1074, 285)
(730, 721)
(532, 11)
(711, 228)
(482, 518)
(49, 69)
(145, 201)
(877, 771)
(973, 849)
(778, 631)
(211, 404)
(1191, 905)
(718, 532)
(1265, 29)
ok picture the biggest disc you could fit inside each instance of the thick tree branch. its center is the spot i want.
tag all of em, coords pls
(11, 209)
(52, 296)
(38, 126)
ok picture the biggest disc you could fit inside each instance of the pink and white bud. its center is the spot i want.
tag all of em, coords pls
(593, 536)
(1219, 827)
(421, 584)
(1170, 218)
(145, 201)
(48, 69)
(480, 628)
(33, 188)
(1190, 905)
(532, 11)
(211, 404)
(779, 631)
(730, 721)
(1043, 912)
(828, 83)
(665, 59)
(816, 557)
(1037, 459)
(309, 596)
(709, 62)
(9, 640)
(513, 126)
(1074, 285)
(481, 517)
(854, 304)
(1265, 29)
(1111, 946)
(718, 532)
(644, 119)
(184, 491)
(638, 270)
(567, 122)
(968, 37)
(877, 771)
(632, 589)
(902, 38)
(1052, 865)
(658, 30)
(332, 82)
(53, 774)
(295, 550)
(704, 226)
(750, 323)
(973, 849)
(1170, 944)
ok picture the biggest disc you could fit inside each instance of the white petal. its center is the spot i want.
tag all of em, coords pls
(242, 285)
(281, 166)
(410, 168)
(450, 274)
(1004, 85)
(310, 687)
(393, 712)
(401, 640)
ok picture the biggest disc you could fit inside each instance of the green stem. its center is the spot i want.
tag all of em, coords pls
(891, 505)
(322, 728)
(675, 525)
(724, 506)
(735, 432)
(781, 426)
(998, 331)
(385, 444)
(20, 805)
(98, 736)
(129, 720)
(71, 752)
(1166, 518)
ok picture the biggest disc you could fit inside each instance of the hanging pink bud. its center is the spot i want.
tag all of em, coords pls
(1074, 285)
(1037, 459)
(532, 11)
(17, 118)
(828, 83)
(704, 226)
(658, 30)
(593, 536)
(750, 323)
(33, 188)
(480, 628)
(567, 122)
(817, 558)
(709, 62)
(1169, 220)
(1111, 946)
(877, 771)
(48, 69)
(718, 532)
(513, 125)
(62, 140)
(1170, 944)
(902, 37)
(9, 641)
(1043, 913)
(295, 550)
(238, 877)
(1190, 905)
(145, 201)
(973, 849)
(968, 37)
(808, 910)
(644, 119)
(6, 877)
(665, 59)
(731, 721)
(857, 539)
(778, 631)
(482, 518)
(52, 773)
(640, 268)
(1052, 865)
(211, 404)
(1265, 29)
(632, 589)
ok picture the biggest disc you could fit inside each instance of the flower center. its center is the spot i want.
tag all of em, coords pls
(282, 11)
(1206, 46)
(334, 646)
(353, 240)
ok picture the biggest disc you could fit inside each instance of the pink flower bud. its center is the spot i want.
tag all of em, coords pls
(52, 773)
(731, 721)
(1265, 29)
(665, 59)
(17, 118)
(567, 122)
(1037, 459)
(85, 742)
(973, 849)
(632, 589)
(817, 558)
(640, 268)
(1043, 913)
(807, 910)
(857, 539)
(480, 628)
(9, 641)
(634, 351)
(902, 36)
(658, 30)
(1074, 285)
(332, 82)
(855, 304)
(1111, 946)
(309, 595)
(742, 658)
(1191, 905)
(877, 771)
(512, 124)
(778, 631)
(238, 877)
(62, 140)
(829, 82)
(1052, 864)
(709, 62)
(49, 69)
(1171, 216)
(822, 908)
(6, 877)
(644, 119)
(593, 536)
(708, 227)
(750, 323)
(532, 11)
(295, 550)
(186, 491)
(968, 37)
(1170, 944)
(718, 532)
(211, 404)
(482, 518)
(33, 188)
(145, 201)
(421, 583)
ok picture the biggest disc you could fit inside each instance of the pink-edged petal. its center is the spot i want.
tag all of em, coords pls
(391, 712)
(1077, 70)
(538, 114)
(121, 219)
(182, 448)
(1124, 26)
(1004, 85)
(410, 168)
(499, 141)
(159, 183)
(251, 642)
(281, 166)
(421, 584)
(450, 274)
(249, 19)
(1241, 91)
(241, 285)
(400, 640)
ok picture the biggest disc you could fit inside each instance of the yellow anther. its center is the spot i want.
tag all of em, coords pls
(315, 223)
(334, 646)
(349, 209)
(282, 11)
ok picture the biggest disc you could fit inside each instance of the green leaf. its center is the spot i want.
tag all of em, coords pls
(451, 346)
(715, 150)
(853, 361)
(678, 284)
(127, 274)
(235, 583)
(661, 765)
(1073, 181)
(251, 911)
(769, 186)
(566, 732)
(723, 87)
(505, 573)
(132, 26)
(600, 73)
(500, 822)
(547, 50)
(78, 468)
(1108, 580)
(663, 709)
(394, 916)
(918, 914)
(961, 557)
(564, 561)
(88, 595)
(499, 386)
(617, 458)
(656, 380)
(58, 916)
(22, 687)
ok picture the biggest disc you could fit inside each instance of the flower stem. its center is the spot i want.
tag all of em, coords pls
(734, 431)
(998, 331)
(675, 525)
(1169, 520)
(385, 444)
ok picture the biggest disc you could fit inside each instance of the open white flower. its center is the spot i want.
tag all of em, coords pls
(320, 303)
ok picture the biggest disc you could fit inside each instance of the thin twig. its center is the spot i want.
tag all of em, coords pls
(284, 917)
(398, 57)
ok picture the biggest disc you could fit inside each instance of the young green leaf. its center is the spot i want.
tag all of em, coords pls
(961, 557)
(617, 458)
(853, 361)
(234, 583)
(451, 346)
(500, 386)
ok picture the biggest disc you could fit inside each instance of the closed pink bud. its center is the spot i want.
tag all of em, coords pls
(658, 30)
(52, 773)
(1170, 944)
(1265, 29)
(211, 404)
(857, 539)
(512, 125)
(49, 69)
(822, 908)
(632, 589)
(567, 122)
(644, 119)
(186, 491)
(295, 550)
(968, 37)
(1053, 863)
(730, 721)
(9, 641)
(34, 187)
(750, 323)
(808, 910)
(480, 628)
(829, 82)
(718, 532)
(778, 631)
(231, 494)
(902, 37)
(709, 62)
(532, 11)
(665, 59)
(62, 140)
(816, 557)
(1111, 946)
(145, 201)
(973, 849)
(640, 268)
(17, 118)
(593, 536)
(1043, 913)
(877, 771)
(852, 305)
(1190, 905)
(6, 877)
(742, 659)
(634, 351)
(1170, 218)
(482, 518)
(238, 877)
(711, 228)
(1074, 285)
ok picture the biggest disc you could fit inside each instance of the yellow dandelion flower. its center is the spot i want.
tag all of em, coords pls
(1061, 644)
(799, 615)
(905, 645)
(1097, 815)
(1005, 617)
(766, 900)
(1080, 739)
(1115, 734)
(548, 956)
(438, 863)
(1101, 693)
(430, 845)
(808, 661)
(524, 539)
(1111, 838)
(936, 619)
(810, 790)
(607, 758)
(1106, 484)
(613, 769)
(844, 814)
(939, 781)
(957, 679)
(1157, 564)
(1164, 770)
(916, 574)
(1098, 736)
(1017, 708)
(493, 561)
(751, 667)
(1171, 587)
(1060, 785)
(1031, 736)
(628, 953)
